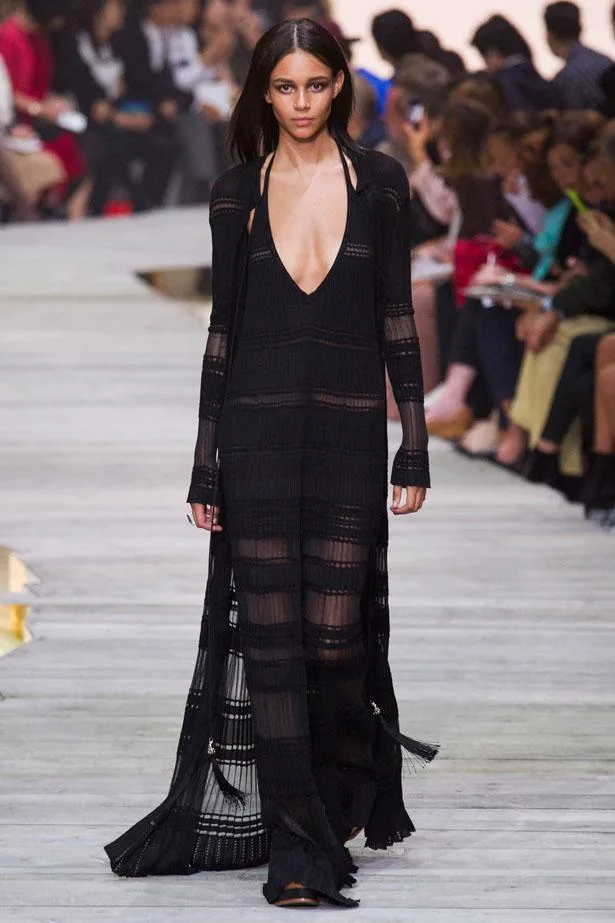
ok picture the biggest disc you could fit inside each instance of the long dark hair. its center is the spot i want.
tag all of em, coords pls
(254, 130)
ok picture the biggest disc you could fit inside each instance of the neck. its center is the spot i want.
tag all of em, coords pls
(564, 50)
(26, 22)
(100, 33)
(306, 155)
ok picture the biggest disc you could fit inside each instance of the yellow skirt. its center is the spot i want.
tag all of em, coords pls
(540, 374)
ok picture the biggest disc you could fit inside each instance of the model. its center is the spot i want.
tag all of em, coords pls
(290, 745)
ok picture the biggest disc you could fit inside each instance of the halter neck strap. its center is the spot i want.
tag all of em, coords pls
(344, 165)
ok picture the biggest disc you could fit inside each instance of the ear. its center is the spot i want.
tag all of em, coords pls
(338, 83)
(268, 97)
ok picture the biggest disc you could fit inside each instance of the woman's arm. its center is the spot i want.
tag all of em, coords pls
(204, 482)
(438, 198)
(402, 350)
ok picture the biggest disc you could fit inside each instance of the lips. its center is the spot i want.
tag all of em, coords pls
(305, 121)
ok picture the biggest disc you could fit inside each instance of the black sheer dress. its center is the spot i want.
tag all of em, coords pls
(294, 438)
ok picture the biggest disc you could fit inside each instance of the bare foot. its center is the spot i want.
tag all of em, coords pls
(546, 447)
(512, 446)
(482, 437)
(445, 407)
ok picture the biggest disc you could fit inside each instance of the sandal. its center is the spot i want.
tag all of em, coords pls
(295, 895)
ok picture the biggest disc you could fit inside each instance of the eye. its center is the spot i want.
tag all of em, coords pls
(284, 87)
(319, 85)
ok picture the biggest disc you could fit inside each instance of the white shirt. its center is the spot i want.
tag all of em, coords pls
(7, 109)
(105, 68)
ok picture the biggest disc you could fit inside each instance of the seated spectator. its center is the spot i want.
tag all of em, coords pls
(577, 85)
(26, 51)
(203, 126)
(579, 303)
(463, 136)
(27, 171)
(417, 81)
(504, 161)
(119, 136)
(149, 87)
(508, 60)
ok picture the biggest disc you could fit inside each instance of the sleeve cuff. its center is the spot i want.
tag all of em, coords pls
(411, 469)
(203, 487)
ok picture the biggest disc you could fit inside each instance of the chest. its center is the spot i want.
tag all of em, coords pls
(308, 223)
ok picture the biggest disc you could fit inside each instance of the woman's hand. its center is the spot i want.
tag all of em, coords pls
(415, 498)
(102, 111)
(417, 138)
(490, 274)
(600, 231)
(206, 517)
(541, 331)
(54, 106)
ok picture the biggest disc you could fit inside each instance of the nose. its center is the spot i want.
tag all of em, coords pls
(302, 100)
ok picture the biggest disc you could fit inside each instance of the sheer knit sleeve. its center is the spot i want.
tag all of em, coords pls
(402, 351)
(204, 482)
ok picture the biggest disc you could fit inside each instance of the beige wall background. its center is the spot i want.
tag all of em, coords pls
(454, 21)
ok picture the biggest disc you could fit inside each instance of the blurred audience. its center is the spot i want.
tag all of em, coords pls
(508, 60)
(577, 85)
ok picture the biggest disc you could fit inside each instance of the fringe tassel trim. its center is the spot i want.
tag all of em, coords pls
(229, 792)
(424, 753)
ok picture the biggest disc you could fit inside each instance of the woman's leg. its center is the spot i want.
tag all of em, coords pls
(304, 849)
(604, 407)
(564, 406)
(450, 416)
(501, 355)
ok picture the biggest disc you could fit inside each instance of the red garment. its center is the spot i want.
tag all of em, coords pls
(29, 62)
(470, 254)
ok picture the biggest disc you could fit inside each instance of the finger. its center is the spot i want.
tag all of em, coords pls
(404, 508)
(216, 527)
(416, 497)
(396, 497)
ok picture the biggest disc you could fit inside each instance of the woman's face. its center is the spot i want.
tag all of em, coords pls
(111, 17)
(565, 166)
(301, 93)
(502, 157)
(594, 181)
(531, 147)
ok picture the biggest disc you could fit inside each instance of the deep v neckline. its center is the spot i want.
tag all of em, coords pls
(349, 194)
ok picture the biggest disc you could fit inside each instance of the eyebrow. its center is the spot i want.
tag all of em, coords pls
(310, 79)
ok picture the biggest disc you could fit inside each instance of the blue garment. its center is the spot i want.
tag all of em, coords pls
(380, 85)
(547, 242)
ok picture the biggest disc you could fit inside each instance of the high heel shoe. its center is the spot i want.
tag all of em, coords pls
(295, 895)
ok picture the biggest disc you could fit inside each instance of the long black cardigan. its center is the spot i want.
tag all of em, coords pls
(211, 818)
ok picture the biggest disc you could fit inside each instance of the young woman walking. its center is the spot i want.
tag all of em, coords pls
(291, 745)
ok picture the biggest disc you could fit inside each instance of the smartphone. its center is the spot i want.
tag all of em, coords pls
(576, 201)
(416, 113)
